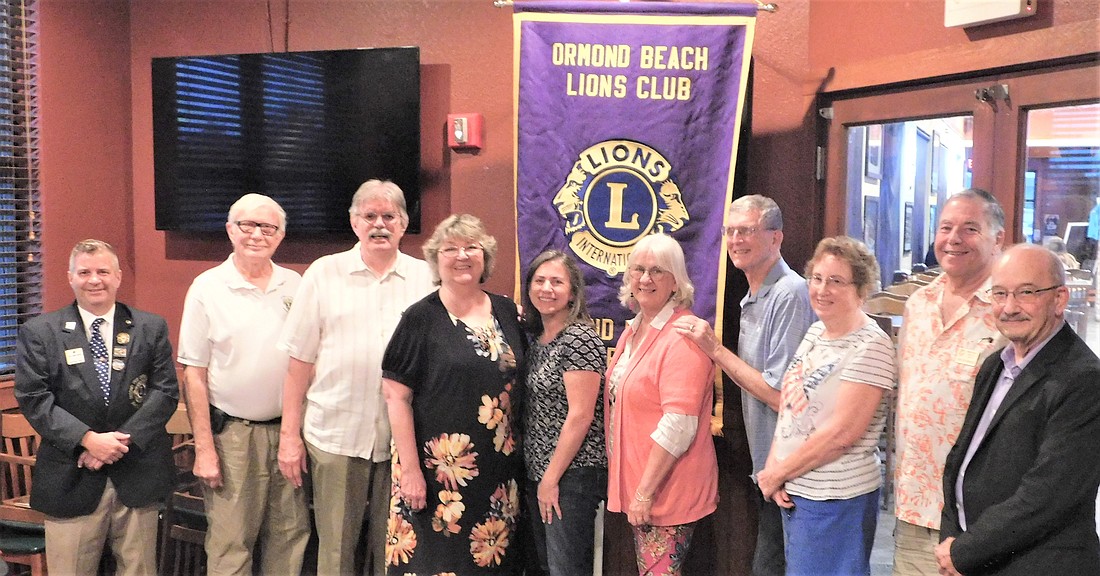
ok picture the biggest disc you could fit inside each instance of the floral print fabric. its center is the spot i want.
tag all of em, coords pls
(939, 359)
(661, 549)
(464, 385)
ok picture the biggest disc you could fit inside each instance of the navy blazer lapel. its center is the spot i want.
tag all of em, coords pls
(121, 344)
(983, 391)
(74, 336)
(1038, 368)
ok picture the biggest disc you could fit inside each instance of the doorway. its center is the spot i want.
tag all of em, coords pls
(1031, 138)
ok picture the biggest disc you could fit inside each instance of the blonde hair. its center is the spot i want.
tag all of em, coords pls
(467, 227)
(91, 246)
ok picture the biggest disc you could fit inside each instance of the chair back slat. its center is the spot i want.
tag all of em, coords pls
(17, 458)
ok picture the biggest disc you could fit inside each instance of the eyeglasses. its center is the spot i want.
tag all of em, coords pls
(743, 231)
(832, 282)
(248, 226)
(370, 217)
(452, 251)
(1022, 295)
(655, 272)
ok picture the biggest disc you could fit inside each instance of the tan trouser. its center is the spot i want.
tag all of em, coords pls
(343, 487)
(74, 545)
(915, 550)
(254, 503)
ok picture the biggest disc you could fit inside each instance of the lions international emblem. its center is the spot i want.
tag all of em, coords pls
(139, 389)
(618, 192)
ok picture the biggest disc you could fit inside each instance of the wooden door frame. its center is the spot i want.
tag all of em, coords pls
(998, 128)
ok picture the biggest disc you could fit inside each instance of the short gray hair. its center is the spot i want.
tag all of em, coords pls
(384, 189)
(771, 217)
(252, 201)
(670, 256)
(994, 214)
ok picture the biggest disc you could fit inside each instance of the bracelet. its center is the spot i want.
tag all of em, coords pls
(638, 496)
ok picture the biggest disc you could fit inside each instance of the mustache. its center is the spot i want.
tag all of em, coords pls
(380, 232)
(1019, 316)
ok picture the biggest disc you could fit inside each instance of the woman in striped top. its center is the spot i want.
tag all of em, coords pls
(823, 468)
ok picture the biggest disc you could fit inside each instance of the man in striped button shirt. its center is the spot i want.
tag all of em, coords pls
(343, 315)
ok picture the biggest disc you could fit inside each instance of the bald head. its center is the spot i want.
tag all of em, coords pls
(1047, 267)
(1029, 295)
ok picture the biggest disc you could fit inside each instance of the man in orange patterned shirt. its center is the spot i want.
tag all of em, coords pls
(947, 331)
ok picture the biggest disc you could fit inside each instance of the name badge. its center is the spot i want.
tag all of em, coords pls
(967, 356)
(74, 356)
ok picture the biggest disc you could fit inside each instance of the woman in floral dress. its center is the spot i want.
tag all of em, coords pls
(450, 380)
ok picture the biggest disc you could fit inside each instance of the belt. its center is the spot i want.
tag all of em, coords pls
(273, 421)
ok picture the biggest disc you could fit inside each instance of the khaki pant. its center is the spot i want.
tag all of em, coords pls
(915, 550)
(343, 488)
(254, 503)
(74, 545)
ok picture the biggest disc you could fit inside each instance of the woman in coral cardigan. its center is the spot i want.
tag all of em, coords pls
(662, 470)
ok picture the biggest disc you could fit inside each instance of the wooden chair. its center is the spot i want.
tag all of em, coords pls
(885, 304)
(183, 443)
(905, 288)
(1079, 274)
(183, 535)
(183, 522)
(22, 532)
(886, 323)
(887, 443)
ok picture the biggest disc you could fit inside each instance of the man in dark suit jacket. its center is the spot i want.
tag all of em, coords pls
(98, 383)
(1020, 483)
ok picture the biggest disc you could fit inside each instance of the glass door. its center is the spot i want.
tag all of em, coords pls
(1030, 138)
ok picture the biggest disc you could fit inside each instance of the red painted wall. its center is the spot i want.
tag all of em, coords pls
(97, 138)
(96, 133)
(84, 88)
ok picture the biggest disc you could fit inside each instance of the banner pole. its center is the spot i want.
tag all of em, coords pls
(761, 6)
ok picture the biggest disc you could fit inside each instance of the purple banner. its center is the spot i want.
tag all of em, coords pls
(627, 118)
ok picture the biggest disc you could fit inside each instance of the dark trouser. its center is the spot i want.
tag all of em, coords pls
(768, 559)
(565, 546)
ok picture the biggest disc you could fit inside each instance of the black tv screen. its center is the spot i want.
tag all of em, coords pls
(306, 128)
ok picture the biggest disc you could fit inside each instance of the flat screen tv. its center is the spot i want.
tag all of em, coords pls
(306, 128)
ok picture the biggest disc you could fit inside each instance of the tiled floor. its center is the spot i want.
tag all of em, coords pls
(882, 555)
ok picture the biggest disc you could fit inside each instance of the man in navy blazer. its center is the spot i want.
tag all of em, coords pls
(1020, 483)
(98, 383)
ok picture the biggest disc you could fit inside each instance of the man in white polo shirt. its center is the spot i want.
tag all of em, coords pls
(343, 316)
(233, 377)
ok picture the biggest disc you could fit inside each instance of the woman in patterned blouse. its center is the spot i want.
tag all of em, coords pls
(823, 469)
(563, 441)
